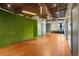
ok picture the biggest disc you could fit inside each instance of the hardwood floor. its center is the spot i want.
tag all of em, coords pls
(51, 44)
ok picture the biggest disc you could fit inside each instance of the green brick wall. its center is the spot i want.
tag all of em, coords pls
(14, 28)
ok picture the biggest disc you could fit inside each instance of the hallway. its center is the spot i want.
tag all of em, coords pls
(39, 29)
(51, 44)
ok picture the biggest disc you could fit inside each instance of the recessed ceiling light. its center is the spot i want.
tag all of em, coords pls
(54, 5)
(8, 5)
(57, 12)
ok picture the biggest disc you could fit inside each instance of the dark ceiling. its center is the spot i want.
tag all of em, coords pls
(55, 9)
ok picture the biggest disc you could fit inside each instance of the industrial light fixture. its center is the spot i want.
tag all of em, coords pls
(49, 17)
(27, 12)
(40, 9)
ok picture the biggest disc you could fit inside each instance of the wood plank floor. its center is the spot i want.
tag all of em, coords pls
(50, 44)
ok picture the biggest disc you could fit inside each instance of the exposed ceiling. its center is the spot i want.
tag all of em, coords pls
(54, 9)
(57, 9)
(18, 7)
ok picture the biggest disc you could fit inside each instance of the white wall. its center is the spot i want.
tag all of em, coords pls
(75, 18)
(73, 29)
(41, 25)
(78, 29)
(68, 24)
(55, 25)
